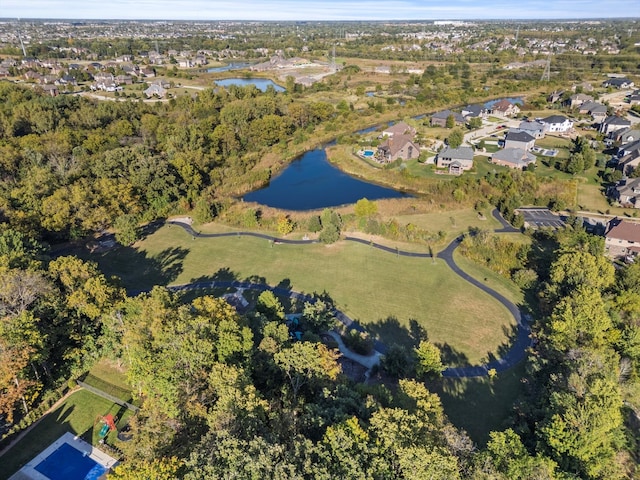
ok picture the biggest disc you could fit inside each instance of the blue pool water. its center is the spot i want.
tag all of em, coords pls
(368, 153)
(68, 463)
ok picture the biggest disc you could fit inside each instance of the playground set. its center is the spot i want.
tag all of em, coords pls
(108, 425)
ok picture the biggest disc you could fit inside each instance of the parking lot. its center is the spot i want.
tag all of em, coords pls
(540, 218)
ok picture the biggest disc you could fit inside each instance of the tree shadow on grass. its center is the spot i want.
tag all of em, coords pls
(505, 350)
(480, 405)
(451, 357)
(390, 331)
(137, 270)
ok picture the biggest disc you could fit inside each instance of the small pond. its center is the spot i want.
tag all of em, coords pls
(517, 100)
(311, 182)
(228, 67)
(260, 83)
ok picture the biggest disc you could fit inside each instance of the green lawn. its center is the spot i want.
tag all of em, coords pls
(107, 377)
(77, 415)
(480, 405)
(452, 222)
(380, 289)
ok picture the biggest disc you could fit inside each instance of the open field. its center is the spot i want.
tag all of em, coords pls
(383, 291)
(76, 415)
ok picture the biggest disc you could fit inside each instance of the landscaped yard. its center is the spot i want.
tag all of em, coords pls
(78, 415)
(382, 290)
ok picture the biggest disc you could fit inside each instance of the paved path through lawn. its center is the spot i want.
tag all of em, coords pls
(515, 354)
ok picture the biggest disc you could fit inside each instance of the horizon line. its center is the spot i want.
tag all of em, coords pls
(372, 20)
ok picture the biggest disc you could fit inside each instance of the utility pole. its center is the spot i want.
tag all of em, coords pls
(333, 59)
(546, 75)
(24, 51)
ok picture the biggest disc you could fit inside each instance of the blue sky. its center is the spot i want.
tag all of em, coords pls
(318, 9)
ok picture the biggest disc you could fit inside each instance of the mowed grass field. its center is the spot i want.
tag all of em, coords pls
(381, 290)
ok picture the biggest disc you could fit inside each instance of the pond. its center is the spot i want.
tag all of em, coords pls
(260, 83)
(311, 182)
(517, 100)
(228, 67)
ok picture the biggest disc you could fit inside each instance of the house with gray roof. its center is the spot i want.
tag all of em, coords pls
(597, 110)
(629, 162)
(513, 158)
(439, 119)
(579, 99)
(535, 129)
(155, 89)
(457, 160)
(519, 139)
(557, 124)
(618, 83)
(627, 192)
(612, 124)
(626, 135)
(627, 148)
(474, 111)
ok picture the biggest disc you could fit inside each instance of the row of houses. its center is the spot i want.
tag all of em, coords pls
(503, 108)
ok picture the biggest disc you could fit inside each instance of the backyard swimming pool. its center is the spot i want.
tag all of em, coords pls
(367, 153)
(69, 463)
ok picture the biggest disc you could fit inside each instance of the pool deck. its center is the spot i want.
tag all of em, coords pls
(29, 472)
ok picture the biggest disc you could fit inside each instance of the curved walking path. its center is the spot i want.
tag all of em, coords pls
(515, 354)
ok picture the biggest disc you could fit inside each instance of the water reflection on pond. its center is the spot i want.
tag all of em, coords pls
(311, 182)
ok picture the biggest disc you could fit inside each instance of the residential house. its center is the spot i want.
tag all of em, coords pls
(439, 119)
(618, 83)
(184, 62)
(578, 99)
(156, 90)
(519, 139)
(48, 79)
(535, 129)
(621, 238)
(398, 146)
(597, 111)
(627, 148)
(124, 80)
(513, 158)
(50, 89)
(612, 124)
(557, 124)
(634, 98)
(457, 160)
(629, 162)
(474, 111)
(400, 128)
(626, 192)
(555, 96)
(4, 72)
(34, 76)
(67, 80)
(148, 72)
(505, 108)
(626, 135)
